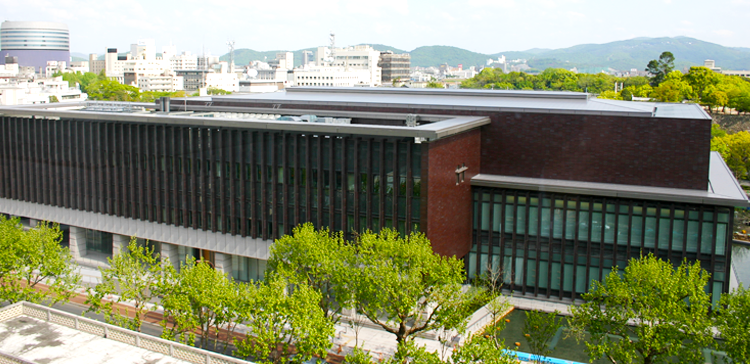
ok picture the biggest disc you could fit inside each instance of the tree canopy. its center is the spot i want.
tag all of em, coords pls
(659, 68)
(32, 257)
(650, 313)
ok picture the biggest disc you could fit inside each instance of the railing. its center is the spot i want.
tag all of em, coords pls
(137, 339)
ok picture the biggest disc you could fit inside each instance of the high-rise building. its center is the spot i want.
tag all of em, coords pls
(394, 66)
(35, 43)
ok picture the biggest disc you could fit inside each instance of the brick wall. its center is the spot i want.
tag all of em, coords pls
(449, 205)
(623, 150)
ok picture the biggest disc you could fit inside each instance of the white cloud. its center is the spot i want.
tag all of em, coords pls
(491, 3)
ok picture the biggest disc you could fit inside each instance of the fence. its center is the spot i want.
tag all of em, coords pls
(137, 339)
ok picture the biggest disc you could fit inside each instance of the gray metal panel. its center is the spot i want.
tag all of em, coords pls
(431, 131)
(611, 190)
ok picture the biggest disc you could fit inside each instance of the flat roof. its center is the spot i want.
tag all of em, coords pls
(40, 334)
(723, 189)
(437, 127)
(548, 102)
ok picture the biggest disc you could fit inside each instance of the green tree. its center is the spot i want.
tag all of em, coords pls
(732, 322)
(539, 330)
(405, 288)
(131, 277)
(482, 349)
(650, 313)
(217, 91)
(32, 257)
(674, 88)
(660, 68)
(285, 320)
(198, 297)
(435, 84)
(700, 78)
(713, 97)
(111, 90)
(610, 95)
(318, 259)
(735, 149)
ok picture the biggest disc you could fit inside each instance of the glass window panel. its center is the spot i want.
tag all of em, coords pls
(596, 226)
(721, 238)
(650, 232)
(555, 282)
(583, 225)
(692, 236)
(485, 216)
(570, 224)
(568, 283)
(497, 218)
(707, 238)
(531, 275)
(609, 228)
(558, 223)
(622, 228)
(580, 279)
(723, 217)
(472, 265)
(678, 234)
(521, 220)
(519, 269)
(509, 219)
(533, 220)
(664, 233)
(716, 293)
(545, 222)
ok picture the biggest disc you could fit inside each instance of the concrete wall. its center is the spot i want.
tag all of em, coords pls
(217, 242)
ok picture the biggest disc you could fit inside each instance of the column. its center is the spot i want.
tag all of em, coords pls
(169, 253)
(119, 243)
(223, 263)
(33, 223)
(77, 242)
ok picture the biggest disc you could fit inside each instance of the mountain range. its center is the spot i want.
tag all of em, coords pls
(620, 55)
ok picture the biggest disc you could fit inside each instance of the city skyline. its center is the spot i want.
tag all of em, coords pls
(512, 25)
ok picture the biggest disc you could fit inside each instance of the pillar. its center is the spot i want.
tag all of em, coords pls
(119, 243)
(33, 223)
(169, 253)
(223, 263)
(77, 242)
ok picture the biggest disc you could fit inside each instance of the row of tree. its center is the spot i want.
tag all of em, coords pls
(395, 282)
(100, 87)
(700, 84)
(651, 312)
(734, 148)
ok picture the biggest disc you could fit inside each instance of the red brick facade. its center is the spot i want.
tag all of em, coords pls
(448, 212)
(623, 150)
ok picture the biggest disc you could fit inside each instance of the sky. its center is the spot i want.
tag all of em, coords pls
(485, 26)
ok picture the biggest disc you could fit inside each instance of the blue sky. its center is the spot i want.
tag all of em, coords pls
(486, 26)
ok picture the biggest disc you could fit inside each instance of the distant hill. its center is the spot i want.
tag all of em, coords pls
(622, 55)
(635, 53)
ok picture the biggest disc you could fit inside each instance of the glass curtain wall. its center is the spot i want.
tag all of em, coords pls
(554, 245)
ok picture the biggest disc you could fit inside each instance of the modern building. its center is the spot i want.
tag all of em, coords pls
(552, 189)
(394, 66)
(35, 42)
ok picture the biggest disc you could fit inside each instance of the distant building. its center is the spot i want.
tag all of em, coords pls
(95, 65)
(283, 60)
(394, 66)
(34, 43)
(308, 57)
(331, 77)
(711, 64)
(361, 57)
(39, 92)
